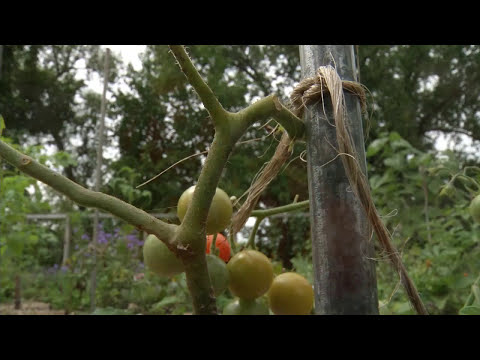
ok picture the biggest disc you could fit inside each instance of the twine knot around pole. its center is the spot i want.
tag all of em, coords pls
(311, 90)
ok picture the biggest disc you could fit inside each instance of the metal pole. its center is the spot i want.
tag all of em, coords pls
(66, 240)
(98, 180)
(345, 276)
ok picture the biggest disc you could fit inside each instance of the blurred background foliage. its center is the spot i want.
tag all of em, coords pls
(419, 95)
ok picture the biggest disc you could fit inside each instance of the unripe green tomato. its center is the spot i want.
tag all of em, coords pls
(246, 307)
(159, 259)
(218, 272)
(475, 208)
(447, 191)
(251, 274)
(290, 294)
(219, 214)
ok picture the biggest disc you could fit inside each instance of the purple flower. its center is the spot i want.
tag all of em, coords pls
(85, 237)
(53, 269)
(132, 238)
(64, 268)
(101, 238)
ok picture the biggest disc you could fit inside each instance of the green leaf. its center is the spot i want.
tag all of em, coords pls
(400, 144)
(2, 250)
(441, 302)
(462, 282)
(168, 300)
(397, 161)
(15, 243)
(375, 146)
(470, 310)
(476, 293)
(2, 124)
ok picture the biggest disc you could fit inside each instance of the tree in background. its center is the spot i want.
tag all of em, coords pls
(45, 99)
(421, 89)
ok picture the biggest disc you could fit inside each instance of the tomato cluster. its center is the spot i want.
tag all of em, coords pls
(252, 276)
(249, 274)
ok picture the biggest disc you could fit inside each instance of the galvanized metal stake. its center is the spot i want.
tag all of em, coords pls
(344, 272)
(66, 240)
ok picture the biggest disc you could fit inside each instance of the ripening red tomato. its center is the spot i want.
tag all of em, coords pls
(222, 245)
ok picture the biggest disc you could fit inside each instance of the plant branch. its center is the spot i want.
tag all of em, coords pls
(262, 214)
(88, 198)
(253, 233)
(208, 98)
(262, 110)
(281, 209)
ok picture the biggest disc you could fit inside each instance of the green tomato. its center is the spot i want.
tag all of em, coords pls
(290, 294)
(219, 214)
(475, 208)
(159, 259)
(246, 307)
(218, 272)
(251, 274)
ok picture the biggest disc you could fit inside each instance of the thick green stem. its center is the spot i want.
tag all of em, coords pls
(191, 233)
(193, 224)
(262, 110)
(207, 96)
(199, 286)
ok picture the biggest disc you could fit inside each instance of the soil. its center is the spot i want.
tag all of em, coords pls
(35, 308)
(29, 308)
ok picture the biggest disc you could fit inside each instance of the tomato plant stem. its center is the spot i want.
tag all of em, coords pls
(253, 233)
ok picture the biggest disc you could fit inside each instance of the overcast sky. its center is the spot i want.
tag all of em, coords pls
(129, 53)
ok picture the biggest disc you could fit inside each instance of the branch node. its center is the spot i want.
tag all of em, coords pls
(26, 160)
